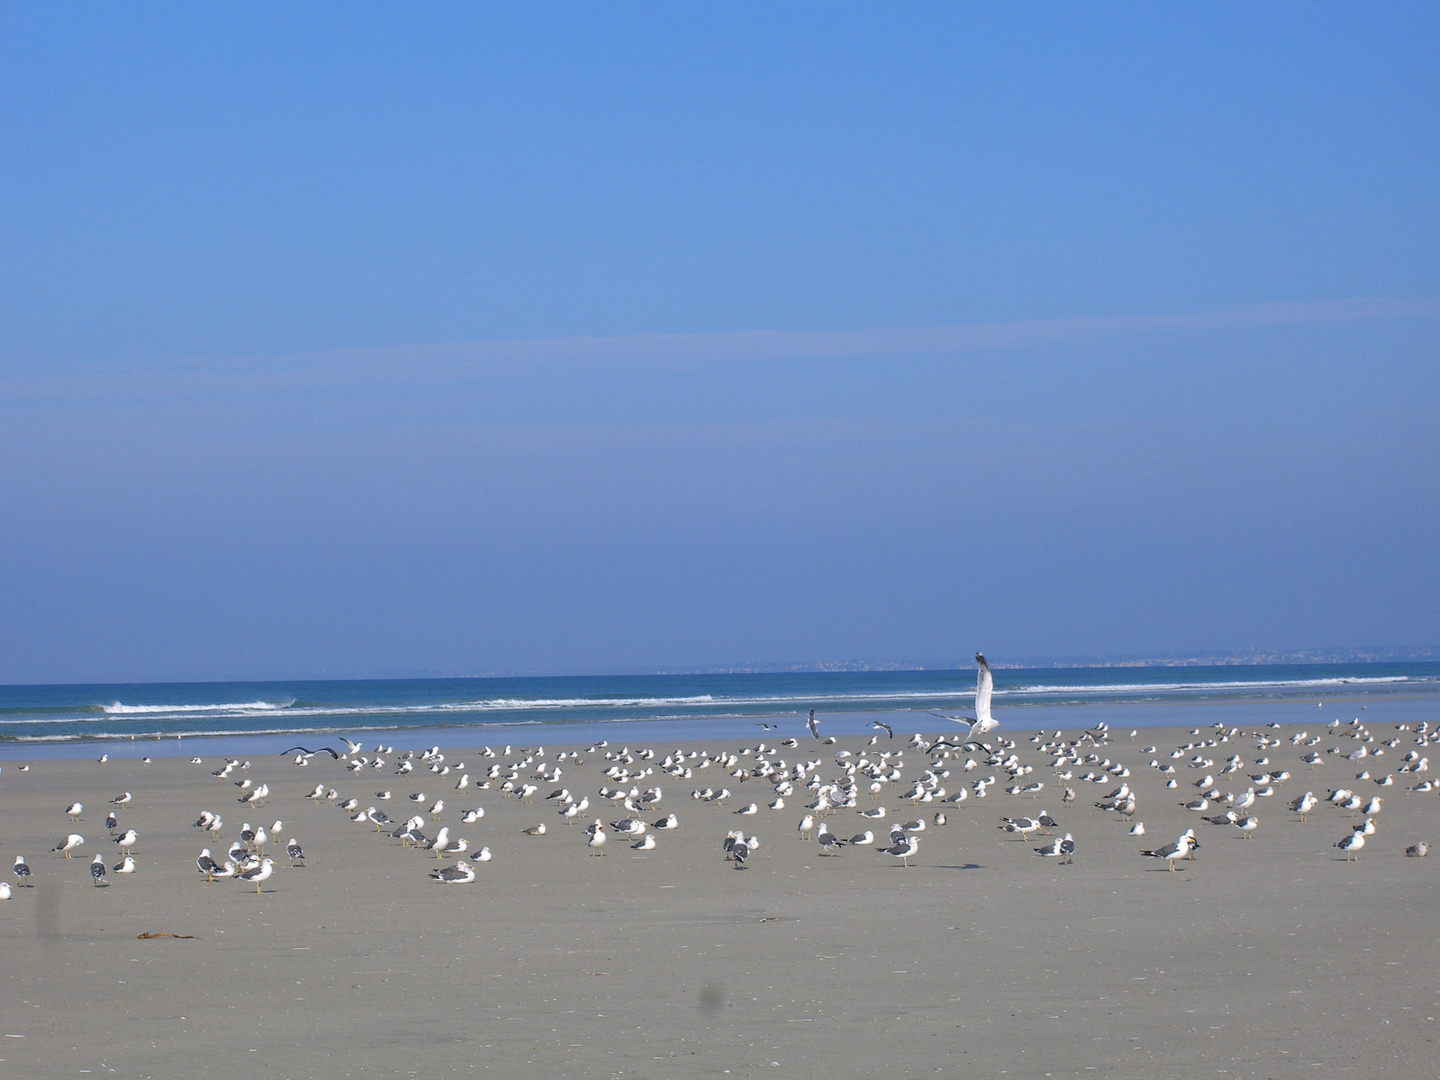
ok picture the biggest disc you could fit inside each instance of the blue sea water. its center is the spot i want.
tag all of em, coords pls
(254, 717)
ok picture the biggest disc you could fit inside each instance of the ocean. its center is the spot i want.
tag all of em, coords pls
(257, 717)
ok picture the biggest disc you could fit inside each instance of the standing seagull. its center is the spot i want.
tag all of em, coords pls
(260, 873)
(597, 840)
(904, 847)
(297, 857)
(1062, 848)
(1352, 844)
(1180, 849)
(69, 844)
(75, 810)
(982, 721)
(97, 869)
(21, 870)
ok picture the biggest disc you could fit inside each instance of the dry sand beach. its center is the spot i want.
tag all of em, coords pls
(1267, 956)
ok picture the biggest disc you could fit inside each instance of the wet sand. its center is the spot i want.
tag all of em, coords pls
(1265, 957)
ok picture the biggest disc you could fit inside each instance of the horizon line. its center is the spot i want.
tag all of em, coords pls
(1250, 658)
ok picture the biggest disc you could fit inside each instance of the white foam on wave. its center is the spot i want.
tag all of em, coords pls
(1183, 687)
(118, 709)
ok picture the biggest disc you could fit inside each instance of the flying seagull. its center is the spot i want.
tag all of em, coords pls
(885, 728)
(982, 721)
(312, 753)
(813, 724)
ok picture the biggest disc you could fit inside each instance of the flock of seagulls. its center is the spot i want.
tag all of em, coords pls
(928, 778)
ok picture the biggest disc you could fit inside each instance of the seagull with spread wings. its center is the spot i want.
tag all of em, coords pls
(982, 721)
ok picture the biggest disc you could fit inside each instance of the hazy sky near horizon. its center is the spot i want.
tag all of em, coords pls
(360, 339)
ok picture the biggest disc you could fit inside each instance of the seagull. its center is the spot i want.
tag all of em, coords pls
(884, 727)
(830, 844)
(647, 844)
(458, 846)
(877, 813)
(1247, 825)
(260, 873)
(597, 840)
(75, 810)
(670, 822)
(1418, 851)
(982, 722)
(111, 822)
(1024, 826)
(813, 724)
(904, 849)
(1060, 847)
(462, 873)
(21, 870)
(862, 839)
(127, 841)
(1304, 804)
(1138, 829)
(4, 890)
(311, 753)
(125, 866)
(740, 851)
(69, 844)
(535, 830)
(807, 826)
(121, 800)
(1352, 844)
(1171, 852)
(206, 865)
(97, 869)
(297, 856)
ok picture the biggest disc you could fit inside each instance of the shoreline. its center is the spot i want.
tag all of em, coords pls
(1393, 705)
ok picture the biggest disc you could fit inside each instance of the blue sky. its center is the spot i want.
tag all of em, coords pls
(362, 339)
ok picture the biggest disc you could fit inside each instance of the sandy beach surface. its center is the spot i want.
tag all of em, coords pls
(1266, 956)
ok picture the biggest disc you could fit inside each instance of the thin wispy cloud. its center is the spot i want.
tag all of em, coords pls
(928, 340)
(422, 363)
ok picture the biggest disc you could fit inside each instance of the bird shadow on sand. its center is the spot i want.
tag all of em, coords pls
(967, 866)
